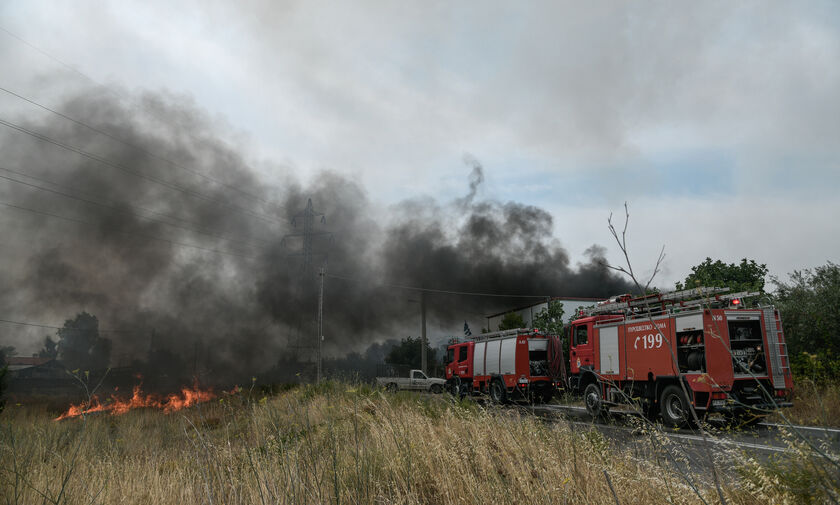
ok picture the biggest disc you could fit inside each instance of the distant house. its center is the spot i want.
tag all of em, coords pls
(28, 375)
(17, 363)
(35, 368)
(528, 312)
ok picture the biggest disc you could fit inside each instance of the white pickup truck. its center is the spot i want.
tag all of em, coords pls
(416, 381)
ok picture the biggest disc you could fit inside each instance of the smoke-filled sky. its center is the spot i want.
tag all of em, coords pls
(471, 147)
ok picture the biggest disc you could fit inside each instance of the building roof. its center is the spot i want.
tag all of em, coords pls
(553, 298)
(26, 360)
(23, 362)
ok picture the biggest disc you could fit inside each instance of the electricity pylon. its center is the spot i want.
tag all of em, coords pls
(308, 236)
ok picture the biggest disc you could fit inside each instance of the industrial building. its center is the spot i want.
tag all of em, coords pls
(528, 312)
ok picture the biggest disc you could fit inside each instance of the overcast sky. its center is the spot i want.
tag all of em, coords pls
(719, 122)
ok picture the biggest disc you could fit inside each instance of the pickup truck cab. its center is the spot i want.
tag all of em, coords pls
(416, 381)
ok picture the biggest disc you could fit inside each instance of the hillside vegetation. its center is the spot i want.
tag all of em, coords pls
(340, 443)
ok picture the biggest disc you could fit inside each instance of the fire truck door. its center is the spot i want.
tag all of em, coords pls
(583, 353)
(608, 356)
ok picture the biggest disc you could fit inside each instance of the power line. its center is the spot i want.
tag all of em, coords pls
(441, 291)
(114, 206)
(143, 235)
(135, 146)
(39, 325)
(133, 172)
(116, 92)
(48, 55)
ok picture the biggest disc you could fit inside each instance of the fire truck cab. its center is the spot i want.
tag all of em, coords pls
(668, 353)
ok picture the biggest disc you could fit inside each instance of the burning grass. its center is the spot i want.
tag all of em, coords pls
(339, 443)
(187, 397)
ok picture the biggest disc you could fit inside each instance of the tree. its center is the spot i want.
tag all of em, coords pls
(809, 305)
(6, 351)
(80, 346)
(550, 319)
(511, 321)
(407, 352)
(746, 276)
(50, 349)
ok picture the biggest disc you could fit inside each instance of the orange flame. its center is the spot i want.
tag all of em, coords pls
(118, 406)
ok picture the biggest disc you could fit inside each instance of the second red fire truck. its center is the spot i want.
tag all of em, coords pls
(506, 365)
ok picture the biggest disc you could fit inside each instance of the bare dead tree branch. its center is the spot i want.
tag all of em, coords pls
(622, 245)
(656, 267)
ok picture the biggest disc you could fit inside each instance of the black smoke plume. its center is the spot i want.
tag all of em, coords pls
(193, 269)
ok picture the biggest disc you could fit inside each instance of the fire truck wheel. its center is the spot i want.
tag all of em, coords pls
(498, 392)
(454, 386)
(592, 399)
(436, 389)
(674, 407)
(391, 388)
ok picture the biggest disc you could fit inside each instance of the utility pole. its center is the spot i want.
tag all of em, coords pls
(321, 274)
(423, 358)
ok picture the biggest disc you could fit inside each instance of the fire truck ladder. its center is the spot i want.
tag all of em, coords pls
(777, 348)
(500, 334)
(660, 302)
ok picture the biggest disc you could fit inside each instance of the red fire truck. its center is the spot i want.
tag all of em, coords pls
(508, 365)
(667, 352)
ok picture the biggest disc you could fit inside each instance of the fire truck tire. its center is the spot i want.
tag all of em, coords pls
(455, 387)
(593, 401)
(498, 392)
(391, 387)
(436, 389)
(674, 407)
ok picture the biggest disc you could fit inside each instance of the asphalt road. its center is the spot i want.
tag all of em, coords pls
(690, 451)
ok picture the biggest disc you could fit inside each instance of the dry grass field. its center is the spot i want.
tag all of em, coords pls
(814, 405)
(340, 443)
